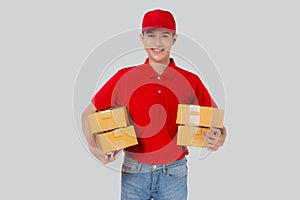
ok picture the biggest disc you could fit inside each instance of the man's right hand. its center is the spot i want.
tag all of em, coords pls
(103, 157)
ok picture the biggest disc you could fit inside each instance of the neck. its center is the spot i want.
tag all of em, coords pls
(159, 67)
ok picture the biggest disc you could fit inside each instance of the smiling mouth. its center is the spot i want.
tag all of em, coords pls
(157, 49)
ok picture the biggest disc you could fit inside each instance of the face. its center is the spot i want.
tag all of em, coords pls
(158, 43)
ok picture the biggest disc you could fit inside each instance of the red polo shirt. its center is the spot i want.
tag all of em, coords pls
(152, 101)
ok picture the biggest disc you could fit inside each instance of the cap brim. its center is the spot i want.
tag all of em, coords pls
(147, 28)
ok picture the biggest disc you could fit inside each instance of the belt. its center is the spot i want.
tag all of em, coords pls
(133, 166)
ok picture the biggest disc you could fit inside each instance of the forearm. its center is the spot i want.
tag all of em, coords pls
(86, 126)
(87, 131)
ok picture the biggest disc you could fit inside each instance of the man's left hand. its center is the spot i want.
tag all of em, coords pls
(215, 139)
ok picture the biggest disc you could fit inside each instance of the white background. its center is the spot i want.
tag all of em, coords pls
(255, 45)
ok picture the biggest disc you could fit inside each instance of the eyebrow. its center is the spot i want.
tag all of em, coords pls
(150, 32)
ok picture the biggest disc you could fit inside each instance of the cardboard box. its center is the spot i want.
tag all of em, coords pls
(116, 139)
(109, 119)
(200, 116)
(191, 136)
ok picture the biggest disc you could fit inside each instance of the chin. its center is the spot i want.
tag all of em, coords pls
(159, 58)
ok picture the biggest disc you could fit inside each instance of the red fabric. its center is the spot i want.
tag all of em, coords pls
(152, 101)
(159, 19)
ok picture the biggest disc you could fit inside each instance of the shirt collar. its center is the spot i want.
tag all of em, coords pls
(167, 74)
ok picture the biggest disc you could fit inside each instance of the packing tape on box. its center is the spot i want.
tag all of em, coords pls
(198, 138)
(194, 119)
(194, 131)
(119, 132)
(105, 114)
(194, 108)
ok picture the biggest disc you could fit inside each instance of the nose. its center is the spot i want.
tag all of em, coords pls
(158, 41)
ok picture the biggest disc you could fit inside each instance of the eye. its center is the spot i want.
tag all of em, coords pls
(165, 35)
(151, 35)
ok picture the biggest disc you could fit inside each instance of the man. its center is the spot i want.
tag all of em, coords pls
(156, 167)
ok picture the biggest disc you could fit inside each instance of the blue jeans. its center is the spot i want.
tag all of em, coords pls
(158, 182)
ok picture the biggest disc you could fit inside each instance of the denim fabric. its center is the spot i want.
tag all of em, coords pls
(158, 182)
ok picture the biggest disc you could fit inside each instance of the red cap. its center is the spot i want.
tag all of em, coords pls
(159, 19)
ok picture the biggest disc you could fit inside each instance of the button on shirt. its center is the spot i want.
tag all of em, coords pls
(152, 101)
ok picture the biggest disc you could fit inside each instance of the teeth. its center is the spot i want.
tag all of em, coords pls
(157, 50)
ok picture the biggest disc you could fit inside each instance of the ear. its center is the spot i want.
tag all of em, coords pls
(141, 36)
(174, 38)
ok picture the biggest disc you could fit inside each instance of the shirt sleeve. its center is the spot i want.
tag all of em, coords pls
(105, 98)
(202, 96)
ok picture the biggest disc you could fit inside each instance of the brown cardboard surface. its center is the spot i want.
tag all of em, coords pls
(109, 119)
(200, 116)
(116, 139)
(191, 136)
